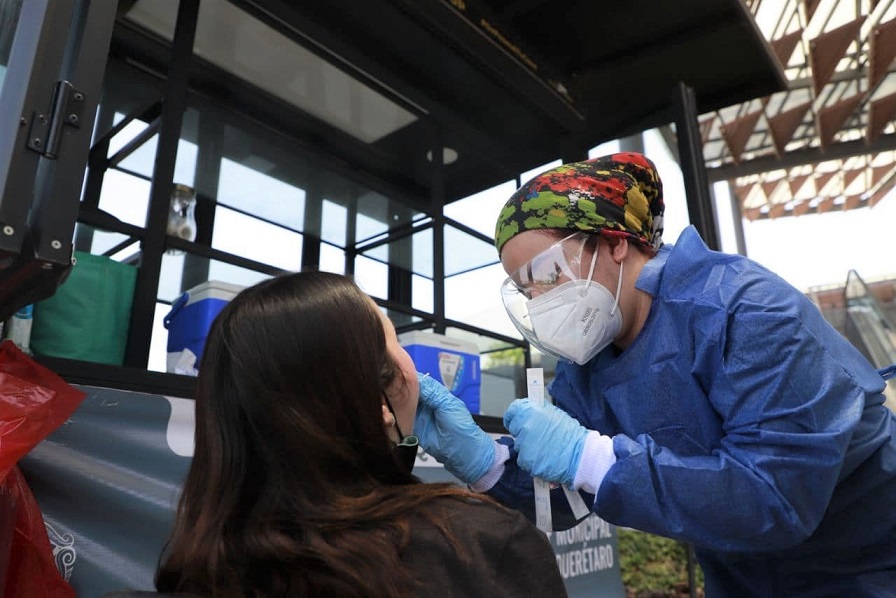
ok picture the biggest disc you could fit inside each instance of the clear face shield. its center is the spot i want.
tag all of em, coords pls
(557, 307)
(557, 265)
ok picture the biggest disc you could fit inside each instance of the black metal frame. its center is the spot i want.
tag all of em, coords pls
(33, 70)
(173, 108)
(55, 209)
(164, 117)
(693, 169)
(50, 94)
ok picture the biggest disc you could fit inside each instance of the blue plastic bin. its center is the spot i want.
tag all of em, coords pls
(451, 361)
(191, 318)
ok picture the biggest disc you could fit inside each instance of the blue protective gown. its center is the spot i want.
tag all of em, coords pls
(744, 423)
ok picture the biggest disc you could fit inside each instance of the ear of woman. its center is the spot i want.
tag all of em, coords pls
(389, 424)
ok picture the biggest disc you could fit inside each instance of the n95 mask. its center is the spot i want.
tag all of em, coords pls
(573, 321)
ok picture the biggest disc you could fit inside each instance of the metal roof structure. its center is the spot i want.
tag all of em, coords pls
(421, 102)
(827, 142)
(513, 83)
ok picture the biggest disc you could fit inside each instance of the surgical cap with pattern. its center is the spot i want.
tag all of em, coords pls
(620, 194)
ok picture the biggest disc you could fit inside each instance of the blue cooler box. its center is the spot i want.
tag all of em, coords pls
(453, 362)
(191, 317)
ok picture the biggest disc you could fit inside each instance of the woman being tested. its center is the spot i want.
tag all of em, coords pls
(698, 395)
(301, 482)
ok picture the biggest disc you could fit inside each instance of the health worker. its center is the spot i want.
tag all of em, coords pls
(698, 395)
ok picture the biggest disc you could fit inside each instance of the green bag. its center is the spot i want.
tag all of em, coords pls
(89, 316)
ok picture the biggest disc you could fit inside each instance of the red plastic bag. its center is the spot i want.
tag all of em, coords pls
(31, 568)
(34, 401)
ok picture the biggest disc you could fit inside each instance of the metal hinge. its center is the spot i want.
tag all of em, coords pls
(67, 109)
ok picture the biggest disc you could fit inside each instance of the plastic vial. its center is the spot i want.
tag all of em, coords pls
(18, 329)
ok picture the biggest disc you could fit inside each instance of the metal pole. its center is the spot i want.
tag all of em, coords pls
(693, 167)
(692, 570)
(147, 286)
(738, 219)
(437, 205)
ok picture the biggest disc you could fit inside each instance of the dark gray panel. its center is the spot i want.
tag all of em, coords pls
(107, 483)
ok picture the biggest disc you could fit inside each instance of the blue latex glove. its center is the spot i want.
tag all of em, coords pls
(446, 431)
(548, 440)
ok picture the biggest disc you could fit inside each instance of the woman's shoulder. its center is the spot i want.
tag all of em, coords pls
(475, 506)
(483, 518)
(479, 548)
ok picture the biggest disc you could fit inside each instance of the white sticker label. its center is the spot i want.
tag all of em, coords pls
(449, 364)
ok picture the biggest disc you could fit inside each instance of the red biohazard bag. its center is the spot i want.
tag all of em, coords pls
(31, 570)
(34, 401)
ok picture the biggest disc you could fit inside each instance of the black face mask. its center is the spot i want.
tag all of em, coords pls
(405, 452)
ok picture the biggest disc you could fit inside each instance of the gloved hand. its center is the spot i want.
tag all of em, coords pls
(548, 440)
(446, 431)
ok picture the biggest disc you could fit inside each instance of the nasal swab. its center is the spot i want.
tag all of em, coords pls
(543, 517)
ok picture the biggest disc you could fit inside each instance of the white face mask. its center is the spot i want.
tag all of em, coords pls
(576, 320)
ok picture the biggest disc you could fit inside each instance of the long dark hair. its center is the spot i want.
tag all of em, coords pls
(293, 489)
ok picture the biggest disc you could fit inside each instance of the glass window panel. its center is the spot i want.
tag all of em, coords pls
(142, 160)
(102, 241)
(421, 257)
(377, 214)
(332, 259)
(483, 342)
(474, 298)
(239, 234)
(171, 276)
(500, 386)
(125, 196)
(9, 18)
(367, 228)
(379, 253)
(130, 252)
(480, 211)
(421, 293)
(464, 252)
(158, 344)
(143, 154)
(234, 274)
(240, 44)
(492, 345)
(250, 190)
(125, 89)
(334, 221)
(413, 253)
(400, 319)
(604, 149)
(170, 279)
(372, 276)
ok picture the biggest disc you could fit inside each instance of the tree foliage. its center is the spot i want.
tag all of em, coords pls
(513, 356)
(654, 567)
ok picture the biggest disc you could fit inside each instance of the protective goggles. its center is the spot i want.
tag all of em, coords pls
(530, 286)
(555, 265)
